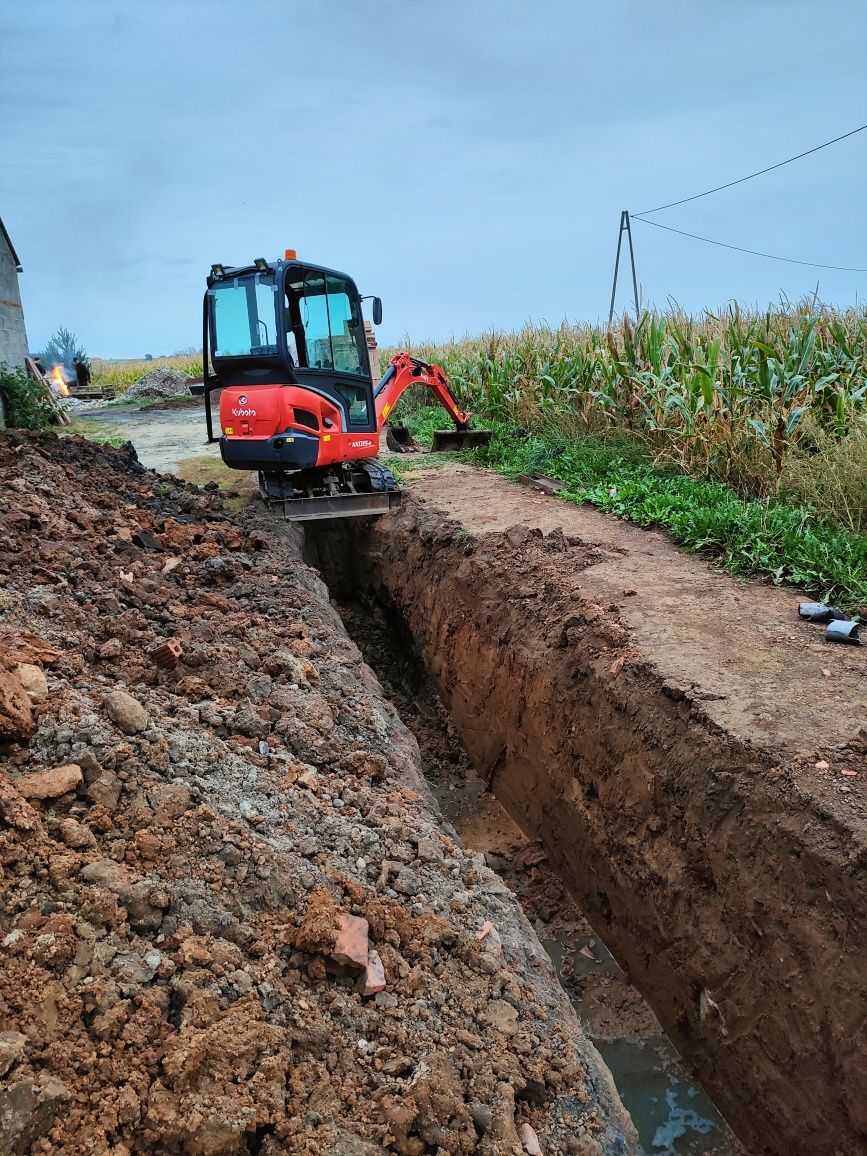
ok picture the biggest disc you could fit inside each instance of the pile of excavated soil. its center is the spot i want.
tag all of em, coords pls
(159, 382)
(233, 919)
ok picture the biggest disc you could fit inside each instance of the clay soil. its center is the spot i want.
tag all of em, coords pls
(690, 755)
(611, 1006)
(183, 846)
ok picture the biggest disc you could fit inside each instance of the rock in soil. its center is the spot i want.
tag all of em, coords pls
(182, 924)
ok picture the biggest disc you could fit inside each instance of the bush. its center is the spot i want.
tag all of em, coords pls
(26, 401)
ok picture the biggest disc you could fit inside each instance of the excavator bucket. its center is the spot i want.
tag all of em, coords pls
(399, 440)
(450, 440)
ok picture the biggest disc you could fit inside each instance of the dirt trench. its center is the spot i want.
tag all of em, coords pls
(202, 850)
(721, 867)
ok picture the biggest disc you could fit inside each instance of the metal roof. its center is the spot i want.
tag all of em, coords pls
(5, 234)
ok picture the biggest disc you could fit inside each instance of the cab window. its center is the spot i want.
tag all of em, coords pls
(324, 329)
(243, 317)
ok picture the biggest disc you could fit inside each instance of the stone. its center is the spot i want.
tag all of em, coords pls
(143, 902)
(49, 784)
(126, 712)
(89, 764)
(350, 948)
(482, 1116)
(170, 800)
(12, 1046)
(429, 849)
(501, 1015)
(132, 968)
(76, 835)
(27, 1111)
(489, 938)
(105, 791)
(33, 679)
(214, 571)
(406, 883)
(530, 1140)
(194, 952)
(241, 981)
(15, 811)
(17, 720)
(584, 1146)
(373, 978)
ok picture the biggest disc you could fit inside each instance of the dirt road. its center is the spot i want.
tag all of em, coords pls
(737, 647)
(164, 439)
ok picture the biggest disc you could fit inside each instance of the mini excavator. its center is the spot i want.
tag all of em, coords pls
(297, 401)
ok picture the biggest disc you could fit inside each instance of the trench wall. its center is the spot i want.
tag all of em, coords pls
(733, 901)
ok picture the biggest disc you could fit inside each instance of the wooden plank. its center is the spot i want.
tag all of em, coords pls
(51, 399)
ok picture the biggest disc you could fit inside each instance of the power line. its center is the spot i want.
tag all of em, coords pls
(749, 177)
(752, 252)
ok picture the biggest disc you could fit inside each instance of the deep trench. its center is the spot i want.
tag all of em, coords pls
(673, 1113)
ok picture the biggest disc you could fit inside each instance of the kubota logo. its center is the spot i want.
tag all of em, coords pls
(242, 400)
(243, 413)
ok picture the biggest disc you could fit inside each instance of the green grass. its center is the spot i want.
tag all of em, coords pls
(767, 538)
(755, 399)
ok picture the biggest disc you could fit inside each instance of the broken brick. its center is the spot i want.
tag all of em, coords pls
(350, 948)
(49, 784)
(168, 655)
(373, 979)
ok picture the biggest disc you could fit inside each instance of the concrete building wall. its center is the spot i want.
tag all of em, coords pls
(13, 335)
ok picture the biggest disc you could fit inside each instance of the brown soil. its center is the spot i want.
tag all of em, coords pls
(610, 1005)
(659, 727)
(173, 895)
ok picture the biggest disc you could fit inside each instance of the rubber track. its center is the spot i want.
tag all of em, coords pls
(381, 477)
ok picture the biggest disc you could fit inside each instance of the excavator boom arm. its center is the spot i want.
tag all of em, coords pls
(404, 371)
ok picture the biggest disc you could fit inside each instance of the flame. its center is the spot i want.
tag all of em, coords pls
(58, 379)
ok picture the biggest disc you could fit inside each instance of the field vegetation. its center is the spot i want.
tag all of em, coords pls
(120, 375)
(743, 433)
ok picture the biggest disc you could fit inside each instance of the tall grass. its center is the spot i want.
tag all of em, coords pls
(119, 375)
(762, 400)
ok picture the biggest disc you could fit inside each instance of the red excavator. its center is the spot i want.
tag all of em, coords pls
(297, 400)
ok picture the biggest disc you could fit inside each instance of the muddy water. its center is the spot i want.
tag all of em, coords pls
(674, 1116)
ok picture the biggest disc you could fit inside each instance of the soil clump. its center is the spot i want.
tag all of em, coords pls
(234, 920)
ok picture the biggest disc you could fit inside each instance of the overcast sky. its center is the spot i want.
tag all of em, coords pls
(467, 160)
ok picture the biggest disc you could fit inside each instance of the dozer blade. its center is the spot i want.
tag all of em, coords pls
(340, 506)
(359, 489)
(450, 440)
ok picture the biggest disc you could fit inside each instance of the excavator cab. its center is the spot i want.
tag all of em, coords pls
(269, 326)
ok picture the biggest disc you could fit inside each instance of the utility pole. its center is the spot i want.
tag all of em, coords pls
(625, 227)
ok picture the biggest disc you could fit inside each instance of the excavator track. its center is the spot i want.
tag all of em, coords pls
(381, 477)
(364, 488)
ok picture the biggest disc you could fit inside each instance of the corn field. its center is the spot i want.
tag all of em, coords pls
(119, 375)
(750, 398)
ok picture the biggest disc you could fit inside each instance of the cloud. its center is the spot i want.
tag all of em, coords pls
(466, 161)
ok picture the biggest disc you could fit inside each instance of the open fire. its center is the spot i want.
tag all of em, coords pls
(57, 377)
